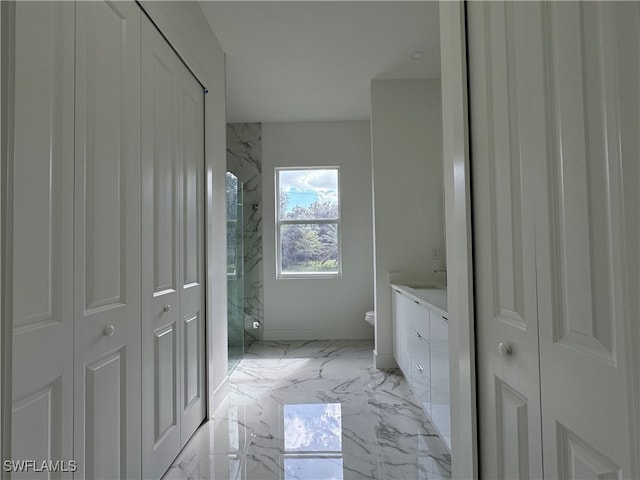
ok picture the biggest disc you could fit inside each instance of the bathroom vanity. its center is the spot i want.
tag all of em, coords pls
(421, 349)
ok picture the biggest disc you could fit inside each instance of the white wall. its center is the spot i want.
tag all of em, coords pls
(462, 365)
(406, 132)
(334, 308)
(185, 26)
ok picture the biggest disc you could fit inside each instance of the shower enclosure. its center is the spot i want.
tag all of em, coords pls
(235, 270)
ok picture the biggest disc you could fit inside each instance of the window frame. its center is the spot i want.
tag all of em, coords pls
(325, 221)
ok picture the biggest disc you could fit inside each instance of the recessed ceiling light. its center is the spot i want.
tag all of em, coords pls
(417, 55)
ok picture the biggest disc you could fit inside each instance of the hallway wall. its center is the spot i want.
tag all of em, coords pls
(406, 133)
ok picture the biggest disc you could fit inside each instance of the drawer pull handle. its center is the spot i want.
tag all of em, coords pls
(419, 367)
(418, 335)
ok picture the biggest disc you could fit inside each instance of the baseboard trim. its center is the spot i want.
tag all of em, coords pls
(365, 333)
(384, 361)
(218, 396)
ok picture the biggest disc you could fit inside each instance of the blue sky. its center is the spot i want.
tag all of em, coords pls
(300, 198)
(306, 186)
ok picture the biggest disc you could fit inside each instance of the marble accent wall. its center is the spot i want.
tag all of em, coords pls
(244, 160)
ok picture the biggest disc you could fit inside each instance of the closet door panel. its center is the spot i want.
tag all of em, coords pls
(583, 358)
(173, 260)
(163, 189)
(192, 309)
(39, 244)
(105, 412)
(577, 66)
(107, 240)
(510, 441)
(161, 282)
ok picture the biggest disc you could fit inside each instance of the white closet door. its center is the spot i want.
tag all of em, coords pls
(40, 230)
(107, 240)
(506, 310)
(585, 358)
(161, 188)
(191, 132)
(172, 233)
(571, 73)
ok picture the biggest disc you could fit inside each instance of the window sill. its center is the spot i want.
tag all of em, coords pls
(307, 276)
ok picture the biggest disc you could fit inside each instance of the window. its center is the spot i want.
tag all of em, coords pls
(308, 222)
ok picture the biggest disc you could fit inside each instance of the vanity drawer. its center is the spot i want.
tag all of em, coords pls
(419, 320)
(419, 350)
(421, 388)
(420, 382)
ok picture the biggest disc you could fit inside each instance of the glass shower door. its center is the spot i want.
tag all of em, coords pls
(235, 280)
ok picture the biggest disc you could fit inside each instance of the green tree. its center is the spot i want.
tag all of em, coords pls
(309, 246)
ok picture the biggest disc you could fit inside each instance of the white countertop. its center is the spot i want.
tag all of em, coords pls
(434, 298)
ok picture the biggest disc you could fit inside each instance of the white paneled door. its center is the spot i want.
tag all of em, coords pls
(550, 83)
(104, 246)
(192, 395)
(107, 240)
(504, 248)
(172, 262)
(40, 228)
(585, 359)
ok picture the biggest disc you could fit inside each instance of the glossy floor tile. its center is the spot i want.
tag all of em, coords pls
(314, 410)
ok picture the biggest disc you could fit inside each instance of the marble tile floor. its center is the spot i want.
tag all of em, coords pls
(314, 410)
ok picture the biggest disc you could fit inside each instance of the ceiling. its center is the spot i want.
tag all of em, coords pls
(314, 60)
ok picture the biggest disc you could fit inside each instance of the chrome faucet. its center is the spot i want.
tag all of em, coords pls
(443, 270)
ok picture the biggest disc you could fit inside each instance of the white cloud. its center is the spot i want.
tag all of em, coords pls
(316, 180)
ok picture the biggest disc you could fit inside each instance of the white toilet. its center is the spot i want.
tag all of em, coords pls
(370, 318)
